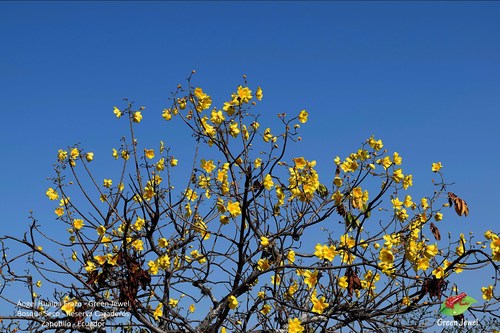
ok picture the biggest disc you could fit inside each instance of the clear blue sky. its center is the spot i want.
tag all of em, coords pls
(422, 76)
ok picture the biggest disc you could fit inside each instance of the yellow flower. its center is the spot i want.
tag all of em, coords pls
(343, 282)
(191, 195)
(243, 95)
(160, 165)
(259, 94)
(234, 130)
(150, 153)
(295, 326)
(406, 301)
(268, 182)
(386, 162)
(291, 256)
(319, 305)
(487, 292)
(59, 211)
(158, 311)
(266, 308)
(75, 153)
(138, 245)
(329, 252)
(62, 155)
(495, 242)
(232, 302)
(162, 243)
(319, 253)
(264, 241)
(300, 162)
(263, 264)
(396, 204)
(182, 103)
(78, 224)
(375, 144)
(217, 117)
(257, 163)
(438, 272)
(208, 166)
(407, 181)
(438, 216)
(402, 215)
(125, 155)
(436, 166)
(101, 230)
(234, 208)
(224, 219)
(303, 116)
(101, 260)
(52, 194)
(267, 135)
(173, 162)
(137, 117)
(115, 153)
(397, 159)
(117, 112)
(192, 308)
(139, 224)
(349, 165)
(337, 181)
(398, 176)
(107, 183)
(90, 267)
(68, 306)
(408, 202)
(149, 192)
(386, 256)
(173, 302)
(310, 278)
(112, 259)
(167, 114)
(347, 241)
(488, 234)
(431, 251)
(424, 203)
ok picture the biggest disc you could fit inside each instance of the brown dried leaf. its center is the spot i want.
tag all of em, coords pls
(435, 232)
(341, 210)
(354, 283)
(461, 207)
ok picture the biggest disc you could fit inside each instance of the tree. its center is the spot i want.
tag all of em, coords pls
(228, 249)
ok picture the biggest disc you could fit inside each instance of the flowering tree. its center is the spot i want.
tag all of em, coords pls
(253, 240)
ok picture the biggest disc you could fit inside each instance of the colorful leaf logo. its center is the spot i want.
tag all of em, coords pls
(456, 305)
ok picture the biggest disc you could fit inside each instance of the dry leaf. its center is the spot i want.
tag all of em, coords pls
(461, 207)
(435, 232)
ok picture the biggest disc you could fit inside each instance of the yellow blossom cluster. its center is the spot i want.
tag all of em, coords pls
(325, 252)
(161, 263)
(494, 245)
(203, 100)
(359, 198)
(303, 179)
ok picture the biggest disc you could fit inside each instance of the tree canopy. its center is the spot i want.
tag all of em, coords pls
(243, 237)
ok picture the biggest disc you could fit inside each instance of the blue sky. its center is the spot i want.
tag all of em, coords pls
(422, 76)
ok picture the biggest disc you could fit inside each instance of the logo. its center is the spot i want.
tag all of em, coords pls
(456, 305)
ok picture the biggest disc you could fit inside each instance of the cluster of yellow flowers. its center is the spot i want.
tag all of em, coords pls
(494, 245)
(303, 179)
